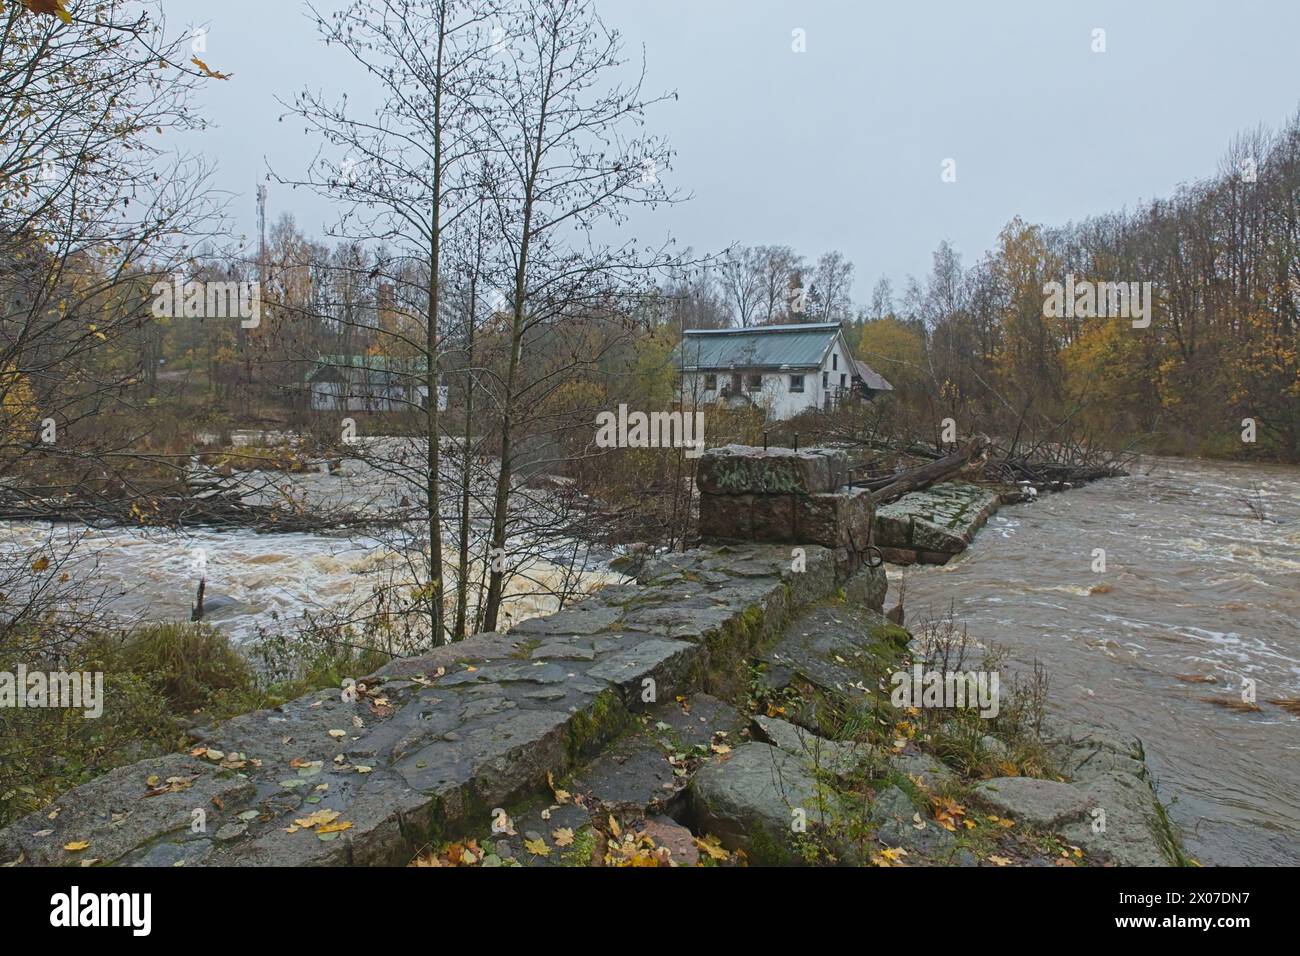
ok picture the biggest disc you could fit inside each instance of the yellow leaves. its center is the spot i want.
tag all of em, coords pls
(54, 8)
(891, 857)
(948, 813)
(1000, 860)
(208, 71)
(712, 846)
(563, 836)
(338, 827)
(561, 796)
(456, 854)
(319, 818)
(40, 564)
(170, 785)
(336, 734)
(537, 847)
(76, 846)
(637, 850)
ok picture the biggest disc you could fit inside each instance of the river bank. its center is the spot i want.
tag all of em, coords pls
(1198, 595)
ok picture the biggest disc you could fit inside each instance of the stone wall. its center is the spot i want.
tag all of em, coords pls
(782, 496)
(433, 743)
(933, 525)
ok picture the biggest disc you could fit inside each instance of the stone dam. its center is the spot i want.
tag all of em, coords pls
(704, 714)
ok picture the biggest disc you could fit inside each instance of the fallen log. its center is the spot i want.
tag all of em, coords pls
(214, 511)
(914, 479)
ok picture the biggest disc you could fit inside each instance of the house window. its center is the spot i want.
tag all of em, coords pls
(710, 383)
(796, 383)
(826, 379)
(755, 383)
(842, 382)
(835, 360)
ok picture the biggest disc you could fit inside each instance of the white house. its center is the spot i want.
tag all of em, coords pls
(784, 369)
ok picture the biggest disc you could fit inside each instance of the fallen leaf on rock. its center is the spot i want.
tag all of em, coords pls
(1000, 860)
(561, 796)
(318, 818)
(76, 846)
(537, 847)
(334, 827)
(713, 847)
(338, 733)
(563, 836)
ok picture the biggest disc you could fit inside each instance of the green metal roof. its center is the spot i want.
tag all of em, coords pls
(767, 346)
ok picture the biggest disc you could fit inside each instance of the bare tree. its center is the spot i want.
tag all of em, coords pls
(564, 126)
(406, 177)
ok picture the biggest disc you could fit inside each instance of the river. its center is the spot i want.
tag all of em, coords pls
(1198, 596)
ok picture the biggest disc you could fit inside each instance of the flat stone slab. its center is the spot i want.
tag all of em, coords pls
(936, 522)
(430, 745)
(1046, 804)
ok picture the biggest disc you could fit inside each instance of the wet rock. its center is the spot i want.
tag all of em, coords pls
(1121, 823)
(697, 721)
(900, 824)
(923, 769)
(818, 754)
(750, 801)
(1046, 804)
(634, 773)
(675, 838)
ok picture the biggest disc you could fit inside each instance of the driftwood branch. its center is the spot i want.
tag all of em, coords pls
(914, 479)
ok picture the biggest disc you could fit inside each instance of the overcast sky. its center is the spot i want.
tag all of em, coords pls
(842, 146)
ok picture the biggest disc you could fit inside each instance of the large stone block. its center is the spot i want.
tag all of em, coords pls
(834, 520)
(742, 469)
(726, 517)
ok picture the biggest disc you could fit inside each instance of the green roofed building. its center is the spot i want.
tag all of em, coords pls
(784, 369)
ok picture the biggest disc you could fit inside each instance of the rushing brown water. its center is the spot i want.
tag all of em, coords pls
(1198, 595)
